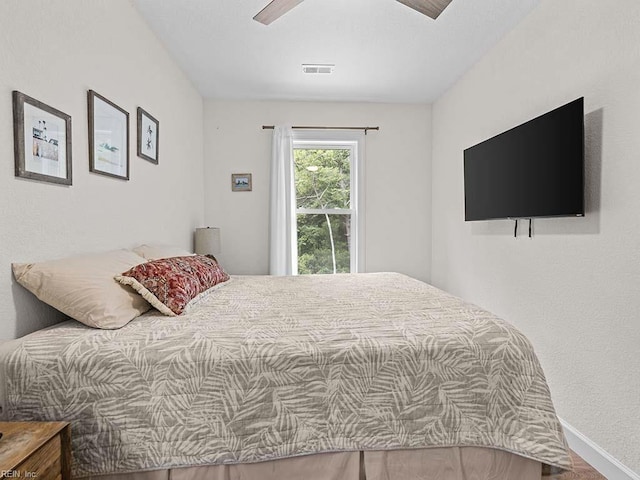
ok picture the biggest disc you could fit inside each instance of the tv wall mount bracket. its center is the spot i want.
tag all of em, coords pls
(515, 228)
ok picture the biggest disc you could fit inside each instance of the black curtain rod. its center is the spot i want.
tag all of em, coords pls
(366, 129)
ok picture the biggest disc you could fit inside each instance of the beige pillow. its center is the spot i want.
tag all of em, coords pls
(83, 287)
(157, 251)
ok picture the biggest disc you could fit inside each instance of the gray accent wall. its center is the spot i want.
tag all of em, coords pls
(397, 179)
(573, 288)
(54, 51)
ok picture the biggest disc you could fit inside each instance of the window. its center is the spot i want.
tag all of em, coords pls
(327, 172)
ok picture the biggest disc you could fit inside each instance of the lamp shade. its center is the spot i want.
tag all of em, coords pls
(208, 241)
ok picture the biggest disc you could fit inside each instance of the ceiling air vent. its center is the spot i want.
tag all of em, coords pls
(318, 69)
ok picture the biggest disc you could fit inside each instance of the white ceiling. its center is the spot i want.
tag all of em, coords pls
(383, 50)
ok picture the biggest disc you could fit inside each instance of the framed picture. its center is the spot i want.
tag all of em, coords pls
(241, 182)
(42, 141)
(148, 136)
(108, 137)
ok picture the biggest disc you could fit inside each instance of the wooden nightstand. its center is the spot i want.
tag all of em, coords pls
(39, 450)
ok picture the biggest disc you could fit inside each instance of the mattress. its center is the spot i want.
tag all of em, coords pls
(280, 367)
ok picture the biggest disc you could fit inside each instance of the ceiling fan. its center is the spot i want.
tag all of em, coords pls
(277, 8)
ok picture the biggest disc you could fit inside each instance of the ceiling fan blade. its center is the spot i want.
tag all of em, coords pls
(275, 10)
(430, 8)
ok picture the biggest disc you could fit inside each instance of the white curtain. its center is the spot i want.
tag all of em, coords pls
(282, 222)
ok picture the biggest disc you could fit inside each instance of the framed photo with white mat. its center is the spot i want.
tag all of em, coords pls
(148, 136)
(108, 137)
(42, 141)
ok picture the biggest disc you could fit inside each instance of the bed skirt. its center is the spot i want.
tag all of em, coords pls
(452, 463)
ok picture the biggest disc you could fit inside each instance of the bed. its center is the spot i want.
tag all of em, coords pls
(352, 376)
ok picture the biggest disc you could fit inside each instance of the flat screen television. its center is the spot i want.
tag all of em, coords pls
(533, 170)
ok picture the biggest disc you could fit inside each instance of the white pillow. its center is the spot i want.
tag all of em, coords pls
(83, 287)
(157, 251)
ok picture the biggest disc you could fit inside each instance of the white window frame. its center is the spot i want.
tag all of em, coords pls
(338, 140)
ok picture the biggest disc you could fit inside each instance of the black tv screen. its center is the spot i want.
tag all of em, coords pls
(533, 170)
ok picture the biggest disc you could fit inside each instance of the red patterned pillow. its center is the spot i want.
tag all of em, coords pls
(170, 284)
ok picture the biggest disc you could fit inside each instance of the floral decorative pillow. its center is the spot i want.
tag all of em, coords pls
(172, 285)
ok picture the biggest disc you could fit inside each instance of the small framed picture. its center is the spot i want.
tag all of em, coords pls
(148, 136)
(108, 137)
(241, 182)
(42, 141)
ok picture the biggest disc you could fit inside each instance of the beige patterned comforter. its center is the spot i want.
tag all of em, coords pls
(272, 367)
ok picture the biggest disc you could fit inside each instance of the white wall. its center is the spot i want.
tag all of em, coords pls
(54, 51)
(574, 288)
(397, 179)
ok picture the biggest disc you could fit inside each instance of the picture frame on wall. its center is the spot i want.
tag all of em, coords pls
(42, 141)
(241, 182)
(108, 137)
(148, 136)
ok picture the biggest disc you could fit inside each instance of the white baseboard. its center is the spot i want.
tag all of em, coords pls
(595, 456)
